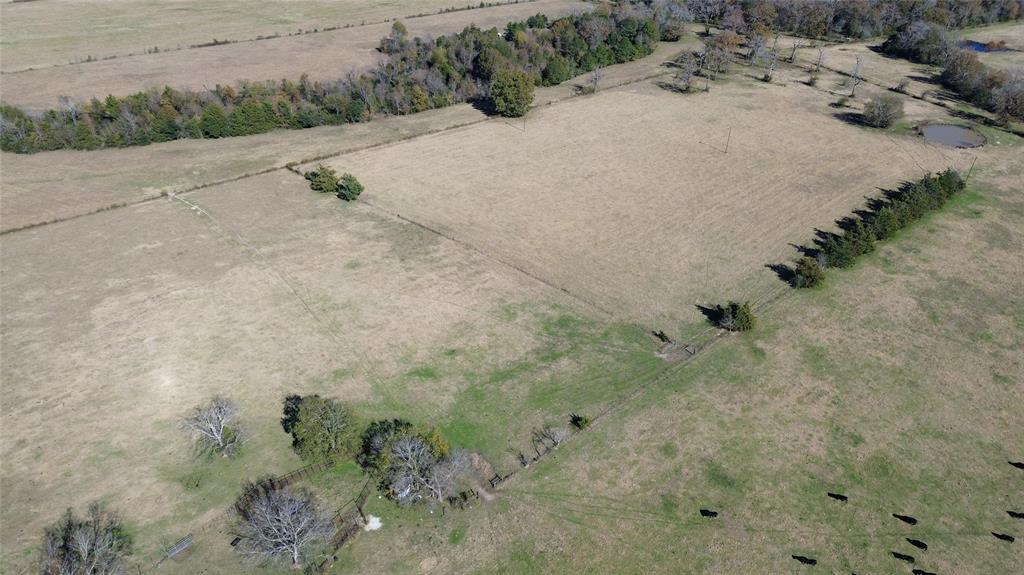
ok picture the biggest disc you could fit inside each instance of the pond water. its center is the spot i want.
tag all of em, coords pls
(950, 135)
(983, 47)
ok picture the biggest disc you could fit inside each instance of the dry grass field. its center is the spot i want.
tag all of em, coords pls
(497, 275)
(116, 323)
(91, 181)
(56, 32)
(898, 384)
(628, 198)
(325, 55)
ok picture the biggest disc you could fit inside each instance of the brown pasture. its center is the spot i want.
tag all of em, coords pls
(629, 199)
(324, 56)
(58, 32)
(636, 201)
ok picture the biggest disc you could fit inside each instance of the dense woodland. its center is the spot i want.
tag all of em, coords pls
(423, 73)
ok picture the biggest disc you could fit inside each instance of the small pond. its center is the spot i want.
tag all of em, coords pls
(985, 47)
(950, 135)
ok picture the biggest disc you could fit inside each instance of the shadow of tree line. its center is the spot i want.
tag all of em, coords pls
(815, 249)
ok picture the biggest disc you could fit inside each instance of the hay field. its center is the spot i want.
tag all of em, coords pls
(56, 32)
(897, 384)
(89, 181)
(628, 200)
(895, 381)
(326, 55)
(114, 324)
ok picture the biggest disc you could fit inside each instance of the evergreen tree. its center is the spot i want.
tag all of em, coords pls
(213, 122)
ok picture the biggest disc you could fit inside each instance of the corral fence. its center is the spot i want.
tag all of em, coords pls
(253, 490)
(178, 550)
(348, 521)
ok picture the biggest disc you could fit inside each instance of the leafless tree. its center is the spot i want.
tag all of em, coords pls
(756, 45)
(855, 78)
(281, 525)
(821, 58)
(70, 109)
(444, 476)
(416, 474)
(706, 11)
(595, 31)
(555, 435)
(687, 66)
(93, 545)
(797, 44)
(215, 427)
(773, 60)
(595, 79)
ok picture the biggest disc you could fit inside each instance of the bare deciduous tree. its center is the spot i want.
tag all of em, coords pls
(281, 525)
(855, 78)
(417, 474)
(555, 435)
(797, 44)
(595, 79)
(821, 58)
(706, 11)
(687, 66)
(215, 427)
(93, 545)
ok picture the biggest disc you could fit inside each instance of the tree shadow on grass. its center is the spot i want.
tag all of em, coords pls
(852, 118)
(674, 88)
(714, 315)
(784, 273)
(485, 105)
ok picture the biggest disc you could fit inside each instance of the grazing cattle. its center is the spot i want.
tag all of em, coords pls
(1004, 537)
(903, 557)
(918, 544)
(708, 513)
(905, 518)
(1017, 464)
(922, 572)
(805, 560)
(837, 496)
(1016, 514)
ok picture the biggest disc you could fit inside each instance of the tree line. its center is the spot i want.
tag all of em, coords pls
(845, 18)
(999, 91)
(881, 221)
(418, 74)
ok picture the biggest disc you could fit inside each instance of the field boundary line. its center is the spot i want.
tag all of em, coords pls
(493, 258)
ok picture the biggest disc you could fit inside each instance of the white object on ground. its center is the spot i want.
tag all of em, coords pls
(372, 523)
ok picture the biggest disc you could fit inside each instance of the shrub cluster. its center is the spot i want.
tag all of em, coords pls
(326, 181)
(411, 464)
(882, 111)
(884, 218)
(419, 74)
(735, 316)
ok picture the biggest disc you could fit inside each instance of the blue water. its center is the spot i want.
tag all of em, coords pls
(980, 47)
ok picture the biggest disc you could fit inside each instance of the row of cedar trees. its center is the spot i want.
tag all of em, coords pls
(883, 219)
(997, 90)
(418, 74)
